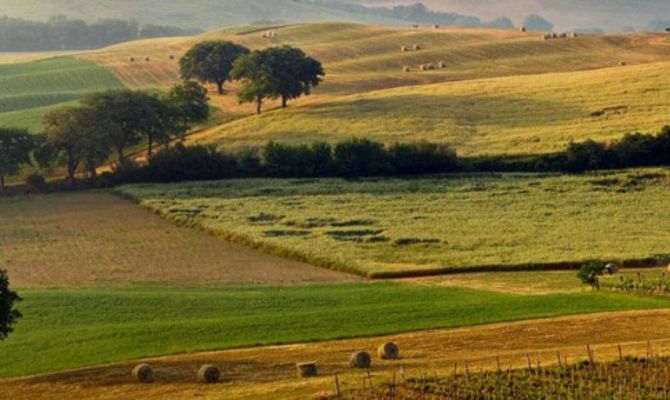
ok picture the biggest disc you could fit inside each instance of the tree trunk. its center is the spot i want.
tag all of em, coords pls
(150, 151)
(121, 154)
(259, 106)
(284, 102)
(2, 185)
(219, 87)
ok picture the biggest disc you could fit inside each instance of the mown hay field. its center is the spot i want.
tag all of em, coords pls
(71, 328)
(269, 372)
(28, 90)
(405, 227)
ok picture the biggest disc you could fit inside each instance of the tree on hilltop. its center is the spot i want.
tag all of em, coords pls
(536, 23)
(16, 146)
(211, 62)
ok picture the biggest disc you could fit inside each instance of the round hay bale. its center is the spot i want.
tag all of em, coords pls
(416, 47)
(360, 359)
(143, 373)
(172, 57)
(388, 351)
(442, 64)
(415, 26)
(403, 49)
(436, 26)
(563, 35)
(574, 34)
(306, 370)
(131, 59)
(523, 29)
(611, 268)
(406, 69)
(554, 35)
(209, 373)
(147, 59)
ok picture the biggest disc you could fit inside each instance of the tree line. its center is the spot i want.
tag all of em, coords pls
(61, 33)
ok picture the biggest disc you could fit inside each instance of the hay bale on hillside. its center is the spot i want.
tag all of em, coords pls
(622, 63)
(388, 351)
(523, 29)
(143, 373)
(442, 64)
(436, 26)
(131, 59)
(563, 35)
(306, 370)
(406, 69)
(209, 373)
(172, 57)
(573, 35)
(147, 59)
(554, 35)
(611, 268)
(415, 26)
(360, 359)
(404, 49)
(546, 36)
(416, 47)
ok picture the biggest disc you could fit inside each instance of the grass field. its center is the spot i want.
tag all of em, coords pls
(28, 90)
(71, 328)
(118, 244)
(384, 228)
(269, 372)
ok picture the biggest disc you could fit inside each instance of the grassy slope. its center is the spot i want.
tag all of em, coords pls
(513, 115)
(77, 327)
(28, 90)
(468, 223)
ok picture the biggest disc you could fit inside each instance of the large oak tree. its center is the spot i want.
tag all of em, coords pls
(211, 62)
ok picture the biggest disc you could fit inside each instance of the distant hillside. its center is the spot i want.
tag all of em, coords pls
(205, 14)
(613, 15)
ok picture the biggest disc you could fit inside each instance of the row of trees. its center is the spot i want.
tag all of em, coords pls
(350, 158)
(62, 33)
(86, 135)
(284, 72)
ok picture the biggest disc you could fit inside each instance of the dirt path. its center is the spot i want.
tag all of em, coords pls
(269, 372)
(96, 239)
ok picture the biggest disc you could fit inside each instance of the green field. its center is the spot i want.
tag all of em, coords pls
(69, 328)
(29, 90)
(394, 227)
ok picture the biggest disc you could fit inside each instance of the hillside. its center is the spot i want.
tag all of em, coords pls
(205, 14)
(612, 15)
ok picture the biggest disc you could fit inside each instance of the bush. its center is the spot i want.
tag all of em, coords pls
(298, 161)
(422, 158)
(361, 157)
(590, 272)
(35, 183)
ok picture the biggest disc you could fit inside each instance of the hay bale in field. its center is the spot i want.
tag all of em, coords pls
(415, 26)
(436, 26)
(546, 36)
(442, 64)
(574, 34)
(563, 35)
(360, 359)
(172, 57)
(148, 59)
(388, 351)
(416, 47)
(404, 49)
(406, 69)
(611, 268)
(143, 373)
(209, 373)
(523, 29)
(622, 63)
(131, 59)
(554, 35)
(306, 370)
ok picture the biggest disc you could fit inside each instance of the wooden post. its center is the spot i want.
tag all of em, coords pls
(590, 353)
(620, 353)
(337, 386)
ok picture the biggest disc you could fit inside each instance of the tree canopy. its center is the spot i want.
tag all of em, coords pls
(278, 72)
(16, 146)
(8, 314)
(190, 100)
(211, 62)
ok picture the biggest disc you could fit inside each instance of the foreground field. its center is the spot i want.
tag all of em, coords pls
(269, 372)
(28, 90)
(72, 328)
(95, 239)
(387, 228)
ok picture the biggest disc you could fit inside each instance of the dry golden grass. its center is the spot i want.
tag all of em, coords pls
(269, 373)
(95, 238)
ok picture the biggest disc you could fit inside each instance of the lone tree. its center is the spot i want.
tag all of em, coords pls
(278, 72)
(15, 148)
(8, 315)
(211, 62)
(189, 99)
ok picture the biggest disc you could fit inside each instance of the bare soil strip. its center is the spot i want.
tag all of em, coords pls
(269, 372)
(98, 239)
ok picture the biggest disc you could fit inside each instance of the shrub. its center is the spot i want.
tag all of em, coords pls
(590, 272)
(361, 157)
(35, 183)
(422, 158)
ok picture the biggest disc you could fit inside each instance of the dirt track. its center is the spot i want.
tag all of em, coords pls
(268, 373)
(96, 239)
